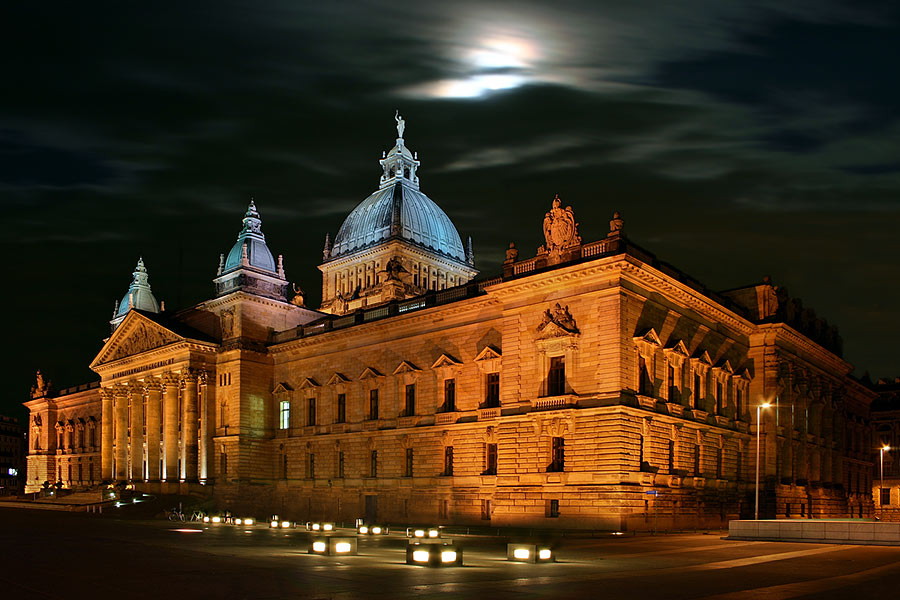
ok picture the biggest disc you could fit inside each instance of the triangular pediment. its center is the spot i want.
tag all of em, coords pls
(308, 382)
(370, 373)
(703, 358)
(134, 335)
(678, 347)
(488, 353)
(336, 378)
(405, 367)
(745, 374)
(445, 360)
(554, 330)
(649, 337)
(282, 387)
(725, 366)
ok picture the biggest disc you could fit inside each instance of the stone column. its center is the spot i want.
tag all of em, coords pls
(137, 432)
(171, 385)
(189, 427)
(106, 434)
(121, 398)
(206, 426)
(154, 393)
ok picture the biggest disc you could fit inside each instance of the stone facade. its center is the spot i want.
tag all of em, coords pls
(886, 429)
(590, 386)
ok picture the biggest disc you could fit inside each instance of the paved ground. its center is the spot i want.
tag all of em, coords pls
(75, 555)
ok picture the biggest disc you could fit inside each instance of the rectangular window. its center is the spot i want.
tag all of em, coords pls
(311, 466)
(490, 459)
(222, 414)
(284, 466)
(697, 391)
(223, 464)
(552, 508)
(885, 496)
(408, 472)
(645, 384)
(448, 461)
(671, 455)
(310, 411)
(739, 403)
(719, 463)
(409, 408)
(373, 463)
(485, 510)
(284, 421)
(449, 395)
(719, 398)
(492, 393)
(557, 455)
(444, 509)
(673, 390)
(556, 376)
(341, 408)
(340, 464)
(373, 405)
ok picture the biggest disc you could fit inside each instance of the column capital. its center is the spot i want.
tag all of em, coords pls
(107, 393)
(153, 385)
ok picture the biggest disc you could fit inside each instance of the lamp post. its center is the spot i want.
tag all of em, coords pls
(881, 451)
(758, 435)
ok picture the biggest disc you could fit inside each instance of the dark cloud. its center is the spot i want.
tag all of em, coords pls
(738, 139)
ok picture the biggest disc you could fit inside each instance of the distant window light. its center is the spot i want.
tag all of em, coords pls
(285, 420)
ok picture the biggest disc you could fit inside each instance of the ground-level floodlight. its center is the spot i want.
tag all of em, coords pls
(530, 553)
(434, 555)
(320, 526)
(373, 530)
(333, 546)
(420, 533)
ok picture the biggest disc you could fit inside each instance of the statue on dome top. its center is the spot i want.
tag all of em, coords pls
(401, 124)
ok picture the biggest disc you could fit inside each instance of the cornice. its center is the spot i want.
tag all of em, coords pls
(173, 348)
(422, 315)
(240, 295)
(805, 347)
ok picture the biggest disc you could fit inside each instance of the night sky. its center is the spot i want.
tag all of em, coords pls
(737, 139)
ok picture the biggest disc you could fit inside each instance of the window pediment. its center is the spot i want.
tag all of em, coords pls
(488, 353)
(445, 360)
(406, 367)
(649, 337)
(307, 383)
(336, 379)
(370, 373)
(282, 388)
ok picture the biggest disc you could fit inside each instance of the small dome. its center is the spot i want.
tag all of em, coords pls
(251, 236)
(398, 211)
(139, 295)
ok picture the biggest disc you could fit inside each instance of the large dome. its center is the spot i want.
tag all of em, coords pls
(398, 210)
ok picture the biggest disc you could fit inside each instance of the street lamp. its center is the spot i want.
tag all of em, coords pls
(881, 451)
(758, 433)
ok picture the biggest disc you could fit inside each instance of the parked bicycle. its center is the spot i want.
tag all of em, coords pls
(175, 515)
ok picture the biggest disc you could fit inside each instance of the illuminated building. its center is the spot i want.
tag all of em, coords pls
(886, 446)
(558, 393)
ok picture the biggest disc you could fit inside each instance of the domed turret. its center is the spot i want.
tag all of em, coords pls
(139, 296)
(400, 225)
(249, 265)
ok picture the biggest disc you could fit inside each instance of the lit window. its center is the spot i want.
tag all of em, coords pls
(285, 420)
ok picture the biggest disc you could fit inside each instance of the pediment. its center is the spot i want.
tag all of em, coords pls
(678, 347)
(703, 358)
(745, 374)
(649, 337)
(489, 353)
(336, 379)
(405, 367)
(445, 360)
(554, 330)
(282, 388)
(725, 366)
(136, 334)
(308, 382)
(370, 373)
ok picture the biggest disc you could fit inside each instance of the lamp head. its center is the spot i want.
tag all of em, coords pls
(886, 448)
(765, 405)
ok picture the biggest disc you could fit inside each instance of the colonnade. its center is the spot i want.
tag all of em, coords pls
(162, 422)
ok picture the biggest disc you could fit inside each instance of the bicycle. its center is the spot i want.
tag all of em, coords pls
(175, 515)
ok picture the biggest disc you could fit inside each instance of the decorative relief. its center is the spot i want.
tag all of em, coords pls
(490, 435)
(140, 338)
(227, 317)
(446, 439)
(557, 321)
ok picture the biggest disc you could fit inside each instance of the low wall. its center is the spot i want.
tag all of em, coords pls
(817, 531)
